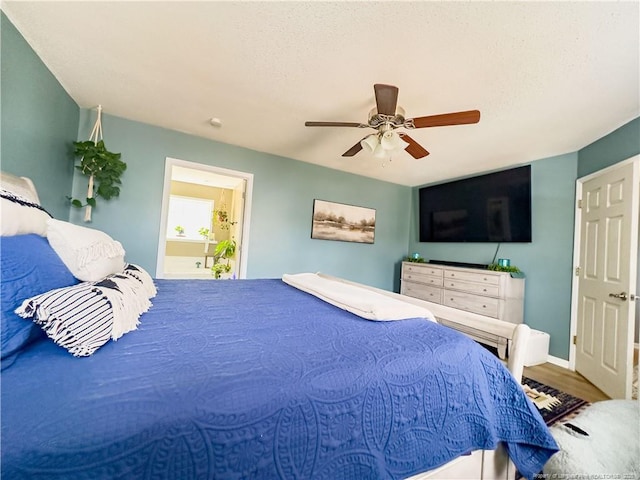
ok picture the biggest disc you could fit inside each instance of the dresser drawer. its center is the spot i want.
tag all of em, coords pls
(472, 303)
(424, 279)
(473, 277)
(421, 269)
(479, 288)
(423, 292)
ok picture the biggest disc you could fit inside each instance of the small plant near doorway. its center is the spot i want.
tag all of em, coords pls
(225, 250)
(204, 232)
(179, 230)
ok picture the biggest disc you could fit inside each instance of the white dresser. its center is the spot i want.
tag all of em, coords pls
(494, 294)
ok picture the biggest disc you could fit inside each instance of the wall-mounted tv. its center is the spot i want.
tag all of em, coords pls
(495, 207)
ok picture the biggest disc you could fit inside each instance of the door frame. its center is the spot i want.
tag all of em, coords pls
(576, 249)
(242, 251)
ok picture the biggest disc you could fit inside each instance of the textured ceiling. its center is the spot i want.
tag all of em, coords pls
(548, 77)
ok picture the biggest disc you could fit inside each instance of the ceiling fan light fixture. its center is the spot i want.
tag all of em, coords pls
(390, 140)
(380, 152)
(370, 143)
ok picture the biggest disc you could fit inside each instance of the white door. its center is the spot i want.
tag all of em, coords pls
(608, 229)
(239, 195)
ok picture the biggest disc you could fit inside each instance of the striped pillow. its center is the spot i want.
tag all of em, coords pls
(84, 317)
(140, 274)
(78, 318)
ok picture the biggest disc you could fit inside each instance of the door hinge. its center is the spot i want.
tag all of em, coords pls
(575, 339)
(577, 271)
(580, 203)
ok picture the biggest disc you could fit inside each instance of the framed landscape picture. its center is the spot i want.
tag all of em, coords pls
(341, 222)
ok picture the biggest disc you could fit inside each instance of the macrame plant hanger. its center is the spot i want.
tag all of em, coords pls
(96, 136)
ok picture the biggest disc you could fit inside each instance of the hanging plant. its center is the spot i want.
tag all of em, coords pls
(103, 167)
(221, 215)
(221, 218)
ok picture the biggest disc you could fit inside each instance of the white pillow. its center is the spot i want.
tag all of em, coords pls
(22, 186)
(88, 253)
(20, 215)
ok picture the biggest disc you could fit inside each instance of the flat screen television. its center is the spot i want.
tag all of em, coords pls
(495, 207)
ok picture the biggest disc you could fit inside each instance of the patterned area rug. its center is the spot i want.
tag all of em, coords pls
(553, 404)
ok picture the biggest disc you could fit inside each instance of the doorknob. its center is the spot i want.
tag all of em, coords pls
(622, 296)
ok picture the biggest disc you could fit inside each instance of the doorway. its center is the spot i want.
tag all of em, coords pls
(604, 323)
(205, 210)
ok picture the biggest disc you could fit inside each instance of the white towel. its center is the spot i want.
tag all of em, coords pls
(357, 300)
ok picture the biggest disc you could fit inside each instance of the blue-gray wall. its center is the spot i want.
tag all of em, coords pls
(546, 261)
(619, 145)
(283, 194)
(38, 121)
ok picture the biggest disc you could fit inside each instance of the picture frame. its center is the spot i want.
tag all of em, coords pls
(342, 222)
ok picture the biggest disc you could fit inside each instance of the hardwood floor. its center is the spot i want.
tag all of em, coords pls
(570, 382)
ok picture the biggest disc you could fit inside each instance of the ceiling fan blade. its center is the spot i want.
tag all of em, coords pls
(456, 118)
(414, 148)
(335, 124)
(386, 98)
(353, 150)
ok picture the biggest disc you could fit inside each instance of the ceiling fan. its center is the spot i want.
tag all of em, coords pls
(387, 116)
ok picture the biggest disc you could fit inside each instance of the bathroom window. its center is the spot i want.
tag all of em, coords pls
(186, 216)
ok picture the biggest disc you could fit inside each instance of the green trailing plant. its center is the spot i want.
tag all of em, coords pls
(219, 268)
(501, 268)
(225, 250)
(414, 259)
(104, 169)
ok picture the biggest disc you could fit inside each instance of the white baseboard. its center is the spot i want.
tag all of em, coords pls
(561, 362)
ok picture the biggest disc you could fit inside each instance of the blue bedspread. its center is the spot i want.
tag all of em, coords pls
(255, 379)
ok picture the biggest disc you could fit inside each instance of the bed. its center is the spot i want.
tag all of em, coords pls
(248, 379)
